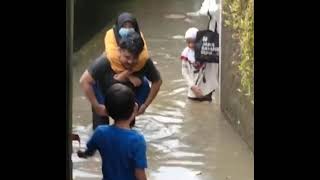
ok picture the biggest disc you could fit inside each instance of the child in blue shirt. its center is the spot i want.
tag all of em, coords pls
(123, 150)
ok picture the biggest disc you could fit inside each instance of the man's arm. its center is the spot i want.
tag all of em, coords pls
(153, 75)
(86, 82)
(155, 87)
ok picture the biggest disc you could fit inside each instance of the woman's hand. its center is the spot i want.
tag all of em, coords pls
(123, 76)
(135, 80)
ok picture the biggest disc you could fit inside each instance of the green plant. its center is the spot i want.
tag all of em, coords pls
(238, 15)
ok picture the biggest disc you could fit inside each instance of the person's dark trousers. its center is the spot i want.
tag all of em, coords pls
(141, 95)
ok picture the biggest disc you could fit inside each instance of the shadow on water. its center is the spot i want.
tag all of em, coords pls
(186, 140)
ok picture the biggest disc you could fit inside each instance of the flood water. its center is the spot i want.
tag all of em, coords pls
(186, 140)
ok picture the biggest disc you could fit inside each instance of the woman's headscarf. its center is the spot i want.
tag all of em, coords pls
(122, 18)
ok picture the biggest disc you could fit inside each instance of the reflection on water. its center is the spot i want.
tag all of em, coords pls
(175, 16)
(182, 163)
(185, 154)
(174, 173)
(178, 37)
(78, 174)
(186, 140)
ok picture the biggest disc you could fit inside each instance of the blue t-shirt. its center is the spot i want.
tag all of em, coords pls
(121, 150)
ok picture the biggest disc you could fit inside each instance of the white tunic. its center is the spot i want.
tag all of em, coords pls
(209, 72)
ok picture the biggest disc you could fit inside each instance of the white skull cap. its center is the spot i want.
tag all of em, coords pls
(191, 33)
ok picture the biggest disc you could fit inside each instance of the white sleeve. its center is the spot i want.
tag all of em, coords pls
(184, 53)
(186, 73)
(214, 10)
(210, 5)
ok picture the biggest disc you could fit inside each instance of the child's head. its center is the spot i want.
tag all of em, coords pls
(190, 37)
(120, 102)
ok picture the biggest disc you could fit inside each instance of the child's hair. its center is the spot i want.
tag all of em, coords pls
(120, 102)
(133, 43)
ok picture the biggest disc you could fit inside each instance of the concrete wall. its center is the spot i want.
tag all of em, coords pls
(91, 16)
(237, 108)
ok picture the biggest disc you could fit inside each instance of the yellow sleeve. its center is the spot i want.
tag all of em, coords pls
(112, 51)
